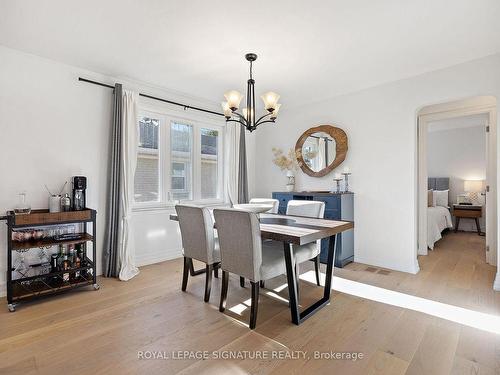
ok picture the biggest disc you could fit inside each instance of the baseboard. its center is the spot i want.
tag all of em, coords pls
(413, 268)
(157, 258)
(3, 288)
(496, 284)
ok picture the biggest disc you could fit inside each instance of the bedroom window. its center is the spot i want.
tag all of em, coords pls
(178, 160)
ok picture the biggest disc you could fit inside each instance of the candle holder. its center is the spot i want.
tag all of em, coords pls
(337, 180)
(346, 178)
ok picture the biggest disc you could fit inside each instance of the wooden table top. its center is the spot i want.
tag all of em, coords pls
(297, 230)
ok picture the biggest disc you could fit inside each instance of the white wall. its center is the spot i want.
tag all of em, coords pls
(460, 154)
(381, 125)
(53, 127)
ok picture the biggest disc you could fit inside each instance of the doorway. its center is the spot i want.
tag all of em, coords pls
(482, 112)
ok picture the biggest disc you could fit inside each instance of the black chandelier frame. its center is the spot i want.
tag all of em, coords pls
(250, 123)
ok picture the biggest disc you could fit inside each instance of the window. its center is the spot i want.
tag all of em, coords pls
(178, 160)
(209, 163)
(147, 174)
(181, 136)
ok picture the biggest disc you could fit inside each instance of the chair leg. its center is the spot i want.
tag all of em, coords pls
(255, 304)
(223, 290)
(316, 269)
(185, 273)
(216, 270)
(208, 281)
(242, 281)
(262, 284)
(297, 273)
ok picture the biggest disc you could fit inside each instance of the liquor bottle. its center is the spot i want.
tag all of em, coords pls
(81, 252)
(53, 263)
(60, 257)
(71, 254)
(83, 260)
(65, 267)
(77, 264)
(71, 259)
(54, 267)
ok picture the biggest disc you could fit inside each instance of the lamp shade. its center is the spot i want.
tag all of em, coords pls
(227, 111)
(275, 112)
(473, 186)
(270, 100)
(233, 98)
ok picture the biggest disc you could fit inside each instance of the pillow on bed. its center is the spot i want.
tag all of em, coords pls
(440, 198)
(430, 199)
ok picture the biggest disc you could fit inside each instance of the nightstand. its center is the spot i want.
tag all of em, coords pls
(463, 211)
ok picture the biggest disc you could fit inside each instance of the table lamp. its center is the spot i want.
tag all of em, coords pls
(473, 187)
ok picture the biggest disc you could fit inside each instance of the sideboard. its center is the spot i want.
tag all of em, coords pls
(338, 206)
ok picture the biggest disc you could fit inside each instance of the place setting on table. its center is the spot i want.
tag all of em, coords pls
(294, 230)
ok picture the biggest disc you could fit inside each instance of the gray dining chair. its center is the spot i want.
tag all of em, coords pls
(310, 251)
(245, 254)
(198, 242)
(274, 202)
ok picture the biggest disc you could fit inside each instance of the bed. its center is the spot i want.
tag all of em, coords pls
(438, 217)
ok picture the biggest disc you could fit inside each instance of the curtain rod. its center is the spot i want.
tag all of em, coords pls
(185, 106)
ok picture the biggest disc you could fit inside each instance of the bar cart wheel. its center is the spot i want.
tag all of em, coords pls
(11, 307)
(96, 286)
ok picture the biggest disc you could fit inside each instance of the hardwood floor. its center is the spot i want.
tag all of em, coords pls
(97, 332)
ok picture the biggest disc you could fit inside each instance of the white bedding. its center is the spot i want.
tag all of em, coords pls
(438, 219)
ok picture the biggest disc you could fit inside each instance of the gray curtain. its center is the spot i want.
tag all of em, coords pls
(242, 169)
(110, 253)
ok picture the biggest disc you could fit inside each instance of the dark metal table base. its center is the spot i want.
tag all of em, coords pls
(297, 316)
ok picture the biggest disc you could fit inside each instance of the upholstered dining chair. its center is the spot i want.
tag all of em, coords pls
(198, 242)
(245, 254)
(311, 250)
(274, 202)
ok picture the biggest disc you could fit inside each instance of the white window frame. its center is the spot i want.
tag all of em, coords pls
(166, 117)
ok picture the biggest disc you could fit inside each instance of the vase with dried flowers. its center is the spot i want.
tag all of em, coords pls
(287, 162)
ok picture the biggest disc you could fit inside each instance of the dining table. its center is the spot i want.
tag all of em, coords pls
(299, 230)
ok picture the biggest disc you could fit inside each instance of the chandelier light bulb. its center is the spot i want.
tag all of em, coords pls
(233, 98)
(274, 114)
(227, 111)
(270, 100)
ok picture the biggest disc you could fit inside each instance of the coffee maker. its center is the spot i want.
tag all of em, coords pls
(79, 186)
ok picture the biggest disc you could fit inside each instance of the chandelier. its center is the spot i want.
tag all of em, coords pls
(247, 117)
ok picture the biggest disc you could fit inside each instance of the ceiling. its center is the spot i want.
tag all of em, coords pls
(308, 50)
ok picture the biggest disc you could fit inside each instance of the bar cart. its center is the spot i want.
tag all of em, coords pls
(26, 282)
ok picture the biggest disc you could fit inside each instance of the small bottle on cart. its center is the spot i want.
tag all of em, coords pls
(83, 259)
(53, 263)
(71, 255)
(60, 256)
(66, 203)
(65, 266)
(77, 264)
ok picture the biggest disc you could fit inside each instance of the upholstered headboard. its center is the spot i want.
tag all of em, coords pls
(438, 183)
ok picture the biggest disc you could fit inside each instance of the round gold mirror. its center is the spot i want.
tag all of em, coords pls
(321, 149)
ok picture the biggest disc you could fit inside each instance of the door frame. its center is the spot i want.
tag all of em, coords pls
(477, 105)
